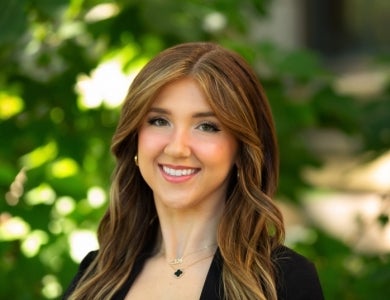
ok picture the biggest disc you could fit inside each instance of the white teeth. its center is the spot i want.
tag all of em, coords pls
(181, 172)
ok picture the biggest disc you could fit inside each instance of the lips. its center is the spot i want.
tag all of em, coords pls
(178, 172)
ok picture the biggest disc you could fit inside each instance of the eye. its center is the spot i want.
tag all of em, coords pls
(209, 127)
(158, 121)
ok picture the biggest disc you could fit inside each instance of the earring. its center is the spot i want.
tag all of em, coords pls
(136, 160)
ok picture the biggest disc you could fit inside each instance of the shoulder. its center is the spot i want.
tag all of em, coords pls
(84, 264)
(297, 277)
(287, 260)
(88, 259)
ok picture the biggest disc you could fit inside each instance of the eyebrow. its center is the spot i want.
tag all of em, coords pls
(195, 115)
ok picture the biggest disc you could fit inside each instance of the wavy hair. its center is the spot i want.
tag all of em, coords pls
(251, 226)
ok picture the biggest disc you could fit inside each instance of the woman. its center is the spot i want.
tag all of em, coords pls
(191, 214)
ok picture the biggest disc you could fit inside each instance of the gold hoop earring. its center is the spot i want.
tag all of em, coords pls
(136, 160)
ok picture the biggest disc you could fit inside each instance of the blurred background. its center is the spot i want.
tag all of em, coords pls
(65, 66)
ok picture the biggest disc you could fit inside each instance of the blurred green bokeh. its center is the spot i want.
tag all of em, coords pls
(65, 68)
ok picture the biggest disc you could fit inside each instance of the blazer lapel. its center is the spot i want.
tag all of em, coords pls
(212, 289)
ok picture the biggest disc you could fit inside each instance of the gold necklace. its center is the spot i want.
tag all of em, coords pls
(179, 271)
(179, 260)
(176, 263)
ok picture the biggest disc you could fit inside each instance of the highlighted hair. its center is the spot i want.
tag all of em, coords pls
(251, 226)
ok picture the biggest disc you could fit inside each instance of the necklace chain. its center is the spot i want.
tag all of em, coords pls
(179, 271)
(176, 263)
(179, 260)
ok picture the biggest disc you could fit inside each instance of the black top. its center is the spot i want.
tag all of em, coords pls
(297, 277)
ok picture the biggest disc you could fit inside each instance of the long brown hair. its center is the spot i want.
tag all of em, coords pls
(251, 226)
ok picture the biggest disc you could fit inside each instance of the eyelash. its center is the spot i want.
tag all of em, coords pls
(155, 120)
(210, 126)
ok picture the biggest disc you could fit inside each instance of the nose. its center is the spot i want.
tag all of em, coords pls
(178, 144)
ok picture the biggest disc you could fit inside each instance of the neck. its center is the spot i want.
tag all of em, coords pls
(181, 237)
(187, 229)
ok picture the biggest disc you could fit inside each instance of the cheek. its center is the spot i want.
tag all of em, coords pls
(218, 153)
(148, 143)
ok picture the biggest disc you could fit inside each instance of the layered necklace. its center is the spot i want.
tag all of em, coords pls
(179, 265)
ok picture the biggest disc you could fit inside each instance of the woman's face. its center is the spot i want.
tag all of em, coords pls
(184, 153)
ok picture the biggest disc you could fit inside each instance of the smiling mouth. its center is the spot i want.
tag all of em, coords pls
(178, 172)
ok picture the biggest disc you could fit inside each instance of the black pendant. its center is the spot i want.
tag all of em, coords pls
(178, 273)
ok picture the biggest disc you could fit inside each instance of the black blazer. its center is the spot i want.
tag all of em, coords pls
(297, 277)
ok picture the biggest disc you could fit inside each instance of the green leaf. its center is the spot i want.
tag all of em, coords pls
(13, 20)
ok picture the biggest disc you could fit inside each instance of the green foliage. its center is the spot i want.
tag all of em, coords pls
(55, 159)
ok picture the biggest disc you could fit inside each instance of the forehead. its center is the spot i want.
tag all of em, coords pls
(182, 94)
